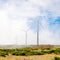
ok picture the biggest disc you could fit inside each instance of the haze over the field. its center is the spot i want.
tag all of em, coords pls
(18, 16)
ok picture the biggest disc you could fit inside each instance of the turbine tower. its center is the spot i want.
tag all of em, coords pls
(37, 32)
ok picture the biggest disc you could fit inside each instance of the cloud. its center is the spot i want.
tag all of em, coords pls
(54, 7)
(24, 9)
(51, 5)
(23, 15)
(15, 15)
(50, 24)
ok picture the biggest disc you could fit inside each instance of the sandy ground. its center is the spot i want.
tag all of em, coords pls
(35, 57)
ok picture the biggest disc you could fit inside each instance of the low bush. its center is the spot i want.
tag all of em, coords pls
(28, 51)
(17, 53)
(57, 58)
(57, 51)
(37, 53)
(3, 54)
(46, 51)
(52, 51)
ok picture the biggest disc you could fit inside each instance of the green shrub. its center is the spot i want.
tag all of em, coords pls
(17, 53)
(3, 54)
(52, 51)
(37, 53)
(57, 51)
(46, 51)
(57, 58)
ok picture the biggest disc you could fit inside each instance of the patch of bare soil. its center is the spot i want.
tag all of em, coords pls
(35, 57)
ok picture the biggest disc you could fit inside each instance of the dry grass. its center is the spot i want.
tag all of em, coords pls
(35, 57)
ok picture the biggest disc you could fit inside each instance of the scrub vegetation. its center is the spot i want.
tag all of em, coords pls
(30, 51)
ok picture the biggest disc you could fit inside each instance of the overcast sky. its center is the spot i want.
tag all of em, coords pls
(20, 16)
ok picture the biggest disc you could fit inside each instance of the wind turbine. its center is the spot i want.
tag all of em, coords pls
(26, 36)
(38, 25)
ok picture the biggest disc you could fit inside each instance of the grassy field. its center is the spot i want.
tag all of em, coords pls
(30, 53)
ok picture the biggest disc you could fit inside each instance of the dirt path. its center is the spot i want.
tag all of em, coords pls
(36, 57)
